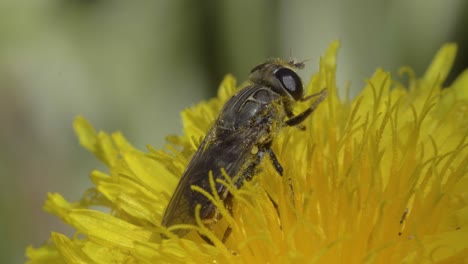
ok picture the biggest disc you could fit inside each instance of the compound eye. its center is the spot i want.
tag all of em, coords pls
(290, 82)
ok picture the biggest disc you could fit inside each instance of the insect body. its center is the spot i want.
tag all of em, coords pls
(239, 139)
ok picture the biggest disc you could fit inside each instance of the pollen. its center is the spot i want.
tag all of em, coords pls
(254, 150)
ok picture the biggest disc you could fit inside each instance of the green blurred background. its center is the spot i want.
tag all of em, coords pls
(134, 65)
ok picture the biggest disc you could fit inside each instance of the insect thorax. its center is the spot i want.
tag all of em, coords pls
(255, 108)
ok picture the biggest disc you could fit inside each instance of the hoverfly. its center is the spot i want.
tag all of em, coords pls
(239, 139)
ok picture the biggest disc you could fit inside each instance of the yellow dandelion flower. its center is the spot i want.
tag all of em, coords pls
(382, 178)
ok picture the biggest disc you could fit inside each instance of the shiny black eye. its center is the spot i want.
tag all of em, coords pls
(290, 82)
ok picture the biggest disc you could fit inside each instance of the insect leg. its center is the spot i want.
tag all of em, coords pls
(293, 121)
(228, 205)
(216, 216)
(227, 233)
(275, 162)
(306, 98)
(279, 169)
(274, 205)
(207, 240)
(290, 114)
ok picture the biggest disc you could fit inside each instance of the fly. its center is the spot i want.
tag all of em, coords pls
(239, 139)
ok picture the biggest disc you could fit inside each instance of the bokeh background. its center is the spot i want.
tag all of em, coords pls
(134, 65)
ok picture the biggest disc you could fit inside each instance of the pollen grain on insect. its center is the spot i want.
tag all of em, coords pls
(254, 150)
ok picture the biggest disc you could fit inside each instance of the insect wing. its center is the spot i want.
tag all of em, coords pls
(178, 210)
(228, 149)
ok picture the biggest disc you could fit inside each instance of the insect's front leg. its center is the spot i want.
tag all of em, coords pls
(306, 98)
(290, 114)
(296, 120)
